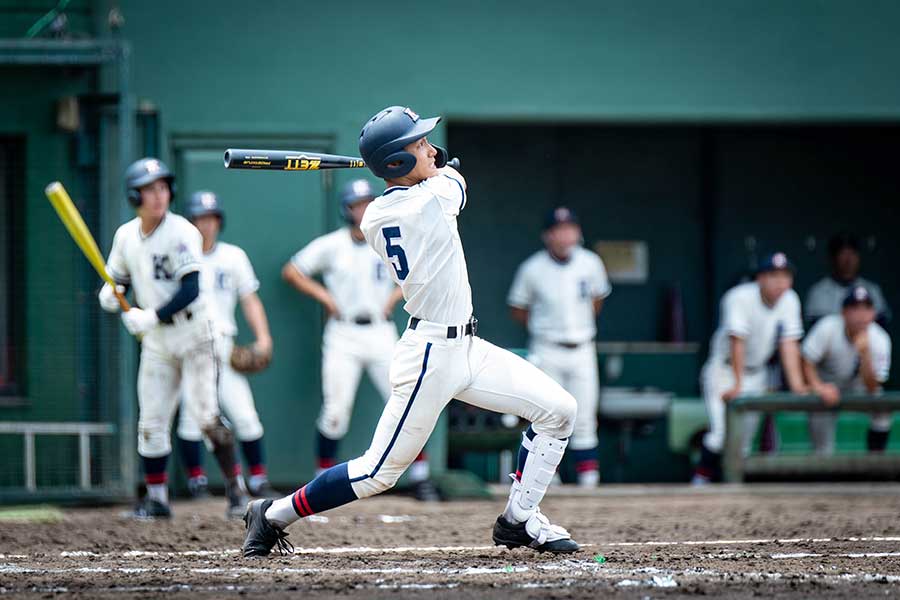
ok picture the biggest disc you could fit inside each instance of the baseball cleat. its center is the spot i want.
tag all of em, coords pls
(536, 533)
(426, 491)
(151, 509)
(237, 500)
(265, 490)
(198, 487)
(262, 536)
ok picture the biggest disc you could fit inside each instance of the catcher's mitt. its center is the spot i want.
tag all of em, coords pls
(247, 359)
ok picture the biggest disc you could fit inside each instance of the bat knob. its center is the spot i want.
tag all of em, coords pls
(453, 162)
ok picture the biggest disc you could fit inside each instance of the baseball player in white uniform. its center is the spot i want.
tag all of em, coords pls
(558, 293)
(359, 297)
(847, 353)
(756, 319)
(827, 294)
(228, 278)
(413, 228)
(158, 254)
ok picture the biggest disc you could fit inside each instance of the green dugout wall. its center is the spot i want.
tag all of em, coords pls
(280, 73)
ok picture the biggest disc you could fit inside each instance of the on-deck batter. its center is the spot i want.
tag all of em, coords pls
(158, 254)
(413, 227)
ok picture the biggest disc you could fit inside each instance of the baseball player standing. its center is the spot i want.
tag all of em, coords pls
(557, 294)
(755, 319)
(412, 226)
(359, 298)
(827, 294)
(228, 278)
(847, 353)
(158, 254)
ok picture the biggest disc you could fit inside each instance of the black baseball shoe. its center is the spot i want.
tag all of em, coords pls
(555, 538)
(237, 501)
(198, 487)
(148, 508)
(426, 491)
(262, 536)
(265, 490)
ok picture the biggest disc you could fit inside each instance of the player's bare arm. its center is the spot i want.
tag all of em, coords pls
(790, 360)
(598, 305)
(309, 286)
(866, 367)
(829, 392)
(255, 314)
(392, 301)
(738, 348)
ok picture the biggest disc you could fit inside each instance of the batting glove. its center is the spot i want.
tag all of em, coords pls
(138, 321)
(108, 300)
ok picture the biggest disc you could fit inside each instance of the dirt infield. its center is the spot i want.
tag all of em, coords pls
(802, 541)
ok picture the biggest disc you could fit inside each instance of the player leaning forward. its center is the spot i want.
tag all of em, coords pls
(412, 227)
(159, 255)
(756, 320)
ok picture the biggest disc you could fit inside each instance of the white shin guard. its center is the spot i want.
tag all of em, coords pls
(544, 456)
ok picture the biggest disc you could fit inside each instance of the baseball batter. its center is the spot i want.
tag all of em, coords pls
(227, 278)
(412, 226)
(847, 353)
(755, 319)
(158, 254)
(358, 297)
(557, 294)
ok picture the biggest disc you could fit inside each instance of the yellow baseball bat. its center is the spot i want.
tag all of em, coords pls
(71, 218)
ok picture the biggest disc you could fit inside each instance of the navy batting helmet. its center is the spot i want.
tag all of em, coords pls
(384, 136)
(144, 172)
(353, 192)
(203, 203)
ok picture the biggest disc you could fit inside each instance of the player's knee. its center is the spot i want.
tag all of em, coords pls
(154, 439)
(218, 433)
(248, 427)
(334, 424)
(565, 415)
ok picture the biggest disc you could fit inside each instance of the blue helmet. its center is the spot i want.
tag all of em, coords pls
(384, 136)
(203, 203)
(144, 172)
(353, 192)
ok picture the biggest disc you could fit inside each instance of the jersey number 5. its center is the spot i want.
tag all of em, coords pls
(395, 252)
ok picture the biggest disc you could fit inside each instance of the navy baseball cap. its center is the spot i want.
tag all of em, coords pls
(777, 261)
(558, 216)
(858, 295)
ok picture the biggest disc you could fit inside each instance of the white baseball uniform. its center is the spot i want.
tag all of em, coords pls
(561, 325)
(743, 314)
(170, 353)
(827, 295)
(360, 285)
(837, 361)
(227, 277)
(414, 231)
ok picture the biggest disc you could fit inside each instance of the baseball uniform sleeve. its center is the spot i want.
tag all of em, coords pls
(449, 191)
(115, 264)
(245, 281)
(793, 317)
(735, 316)
(881, 305)
(187, 250)
(881, 355)
(816, 342)
(600, 287)
(521, 293)
(312, 259)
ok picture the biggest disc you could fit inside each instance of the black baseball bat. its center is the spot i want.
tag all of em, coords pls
(286, 160)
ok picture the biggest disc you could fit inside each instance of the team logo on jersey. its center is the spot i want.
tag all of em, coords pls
(411, 114)
(583, 289)
(162, 267)
(223, 281)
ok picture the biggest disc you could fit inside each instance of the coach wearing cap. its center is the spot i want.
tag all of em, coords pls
(756, 319)
(847, 353)
(825, 297)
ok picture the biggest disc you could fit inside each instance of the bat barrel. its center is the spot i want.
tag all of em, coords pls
(288, 160)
